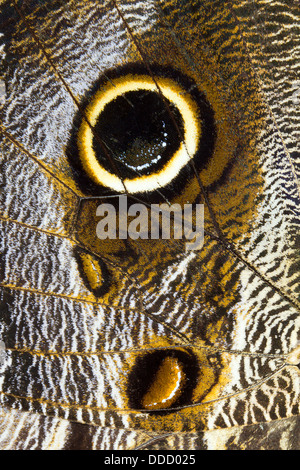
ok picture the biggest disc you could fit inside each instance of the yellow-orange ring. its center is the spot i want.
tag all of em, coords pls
(187, 149)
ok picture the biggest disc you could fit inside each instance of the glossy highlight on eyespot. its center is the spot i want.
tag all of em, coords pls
(166, 90)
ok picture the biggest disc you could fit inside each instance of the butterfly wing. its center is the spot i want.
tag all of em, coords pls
(76, 344)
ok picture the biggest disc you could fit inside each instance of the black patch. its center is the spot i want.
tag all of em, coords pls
(6, 305)
(80, 437)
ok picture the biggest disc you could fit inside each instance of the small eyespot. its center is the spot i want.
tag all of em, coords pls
(167, 385)
(162, 380)
(94, 272)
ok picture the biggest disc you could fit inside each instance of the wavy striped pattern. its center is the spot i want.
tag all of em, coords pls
(234, 304)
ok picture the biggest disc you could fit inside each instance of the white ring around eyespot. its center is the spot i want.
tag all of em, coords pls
(187, 149)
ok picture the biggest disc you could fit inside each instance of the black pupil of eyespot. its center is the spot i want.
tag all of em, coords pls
(140, 131)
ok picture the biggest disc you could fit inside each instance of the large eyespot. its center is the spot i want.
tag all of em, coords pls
(150, 127)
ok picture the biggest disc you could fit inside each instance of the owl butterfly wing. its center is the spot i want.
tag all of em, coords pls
(92, 329)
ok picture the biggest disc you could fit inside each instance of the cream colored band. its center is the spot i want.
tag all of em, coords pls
(192, 132)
